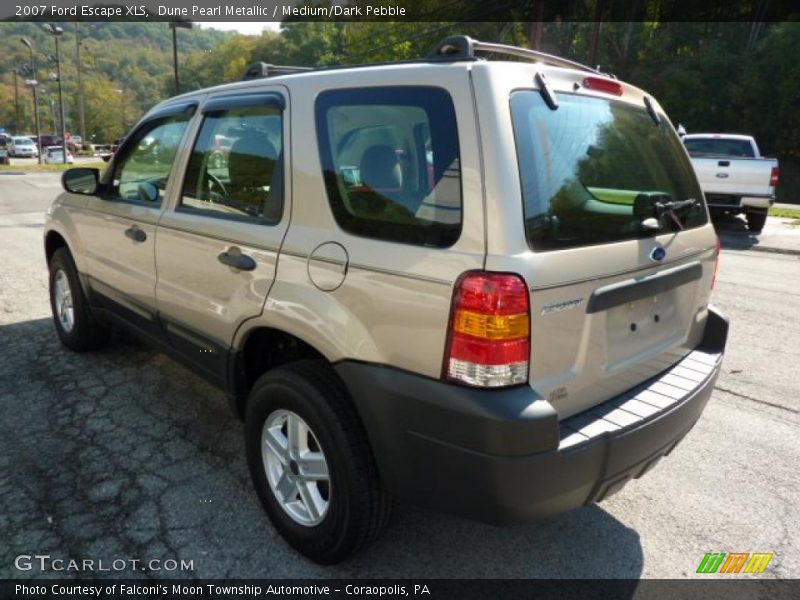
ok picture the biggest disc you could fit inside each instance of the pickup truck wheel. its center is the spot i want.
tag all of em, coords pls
(756, 221)
(311, 463)
(76, 325)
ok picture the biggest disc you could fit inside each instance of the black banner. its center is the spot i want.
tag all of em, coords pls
(732, 588)
(397, 10)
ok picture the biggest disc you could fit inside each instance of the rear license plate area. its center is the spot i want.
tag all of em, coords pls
(636, 330)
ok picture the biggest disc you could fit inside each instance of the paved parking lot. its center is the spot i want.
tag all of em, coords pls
(33, 161)
(125, 454)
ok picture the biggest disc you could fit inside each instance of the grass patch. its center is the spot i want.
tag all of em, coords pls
(60, 167)
(787, 213)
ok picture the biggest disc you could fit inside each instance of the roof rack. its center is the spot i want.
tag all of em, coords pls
(462, 47)
(259, 70)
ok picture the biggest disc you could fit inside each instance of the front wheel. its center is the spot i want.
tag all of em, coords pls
(756, 221)
(76, 324)
(311, 464)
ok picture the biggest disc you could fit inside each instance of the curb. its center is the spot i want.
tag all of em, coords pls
(770, 249)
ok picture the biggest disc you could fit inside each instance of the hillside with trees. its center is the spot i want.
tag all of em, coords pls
(710, 76)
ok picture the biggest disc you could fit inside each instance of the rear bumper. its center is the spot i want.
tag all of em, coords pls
(732, 202)
(763, 202)
(502, 456)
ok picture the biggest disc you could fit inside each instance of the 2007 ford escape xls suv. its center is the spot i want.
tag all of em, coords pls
(478, 286)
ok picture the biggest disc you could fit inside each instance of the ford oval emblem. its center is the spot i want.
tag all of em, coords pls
(658, 254)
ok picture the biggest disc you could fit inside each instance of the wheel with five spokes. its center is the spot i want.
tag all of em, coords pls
(311, 463)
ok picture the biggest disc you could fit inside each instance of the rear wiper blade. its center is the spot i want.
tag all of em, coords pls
(671, 207)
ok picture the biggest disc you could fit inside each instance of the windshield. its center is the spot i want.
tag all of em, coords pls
(23, 142)
(719, 147)
(596, 171)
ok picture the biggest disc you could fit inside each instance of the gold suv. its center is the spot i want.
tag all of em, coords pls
(480, 286)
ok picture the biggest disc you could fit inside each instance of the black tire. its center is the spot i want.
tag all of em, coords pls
(358, 506)
(756, 221)
(87, 332)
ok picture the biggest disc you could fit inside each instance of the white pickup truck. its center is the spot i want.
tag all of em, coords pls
(734, 176)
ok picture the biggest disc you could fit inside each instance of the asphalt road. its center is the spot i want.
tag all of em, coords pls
(125, 454)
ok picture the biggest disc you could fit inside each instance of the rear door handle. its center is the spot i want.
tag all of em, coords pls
(136, 234)
(237, 260)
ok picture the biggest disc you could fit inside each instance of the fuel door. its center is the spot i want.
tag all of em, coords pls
(327, 266)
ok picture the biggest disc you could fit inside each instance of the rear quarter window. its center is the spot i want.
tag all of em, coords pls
(391, 163)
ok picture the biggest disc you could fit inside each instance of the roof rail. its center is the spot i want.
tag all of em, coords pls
(259, 70)
(462, 47)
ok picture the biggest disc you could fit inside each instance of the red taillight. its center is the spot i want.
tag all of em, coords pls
(773, 177)
(488, 341)
(717, 252)
(600, 84)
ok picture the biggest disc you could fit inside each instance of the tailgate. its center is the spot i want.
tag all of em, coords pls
(592, 340)
(619, 286)
(735, 176)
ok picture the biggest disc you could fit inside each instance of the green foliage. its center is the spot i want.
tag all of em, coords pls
(728, 77)
(126, 69)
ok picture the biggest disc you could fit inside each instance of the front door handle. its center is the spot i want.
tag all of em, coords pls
(234, 258)
(136, 234)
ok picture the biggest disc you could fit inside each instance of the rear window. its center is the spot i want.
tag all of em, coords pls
(391, 163)
(715, 148)
(589, 168)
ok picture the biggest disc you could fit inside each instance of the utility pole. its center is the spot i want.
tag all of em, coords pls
(33, 83)
(17, 125)
(81, 113)
(57, 32)
(175, 25)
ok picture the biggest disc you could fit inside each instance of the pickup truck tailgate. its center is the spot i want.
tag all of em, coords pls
(735, 176)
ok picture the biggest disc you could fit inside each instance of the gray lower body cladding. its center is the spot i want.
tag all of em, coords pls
(501, 456)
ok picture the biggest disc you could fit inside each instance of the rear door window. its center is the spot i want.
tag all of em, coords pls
(391, 163)
(590, 168)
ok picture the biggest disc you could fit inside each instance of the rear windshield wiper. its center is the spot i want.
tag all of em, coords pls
(671, 207)
(651, 207)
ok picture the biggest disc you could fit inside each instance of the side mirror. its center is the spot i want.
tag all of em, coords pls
(81, 180)
(106, 157)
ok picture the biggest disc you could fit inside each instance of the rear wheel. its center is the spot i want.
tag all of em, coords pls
(311, 463)
(76, 325)
(756, 221)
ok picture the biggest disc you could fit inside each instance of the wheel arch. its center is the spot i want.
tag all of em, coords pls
(258, 350)
(53, 240)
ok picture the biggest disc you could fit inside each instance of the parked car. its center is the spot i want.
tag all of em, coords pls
(734, 176)
(502, 313)
(54, 155)
(48, 140)
(22, 147)
(102, 150)
(4, 143)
